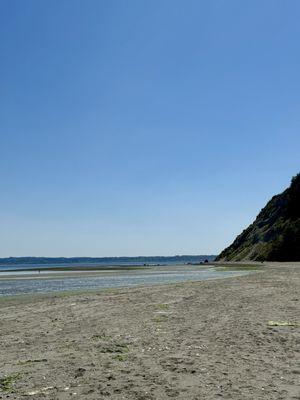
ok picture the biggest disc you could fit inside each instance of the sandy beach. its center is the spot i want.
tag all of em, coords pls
(193, 340)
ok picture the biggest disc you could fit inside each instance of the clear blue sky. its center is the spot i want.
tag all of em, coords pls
(143, 127)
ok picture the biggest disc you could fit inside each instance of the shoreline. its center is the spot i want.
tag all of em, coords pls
(67, 293)
(129, 277)
(49, 273)
(185, 340)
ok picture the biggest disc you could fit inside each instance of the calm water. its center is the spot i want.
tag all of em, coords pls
(155, 275)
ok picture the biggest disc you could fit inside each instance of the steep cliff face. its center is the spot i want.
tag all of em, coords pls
(275, 234)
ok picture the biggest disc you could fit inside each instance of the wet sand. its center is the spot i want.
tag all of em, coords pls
(28, 282)
(68, 272)
(192, 340)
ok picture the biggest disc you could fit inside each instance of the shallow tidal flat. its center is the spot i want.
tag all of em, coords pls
(235, 338)
(50, 280)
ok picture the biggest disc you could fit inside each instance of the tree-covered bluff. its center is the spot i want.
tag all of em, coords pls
(275, 233)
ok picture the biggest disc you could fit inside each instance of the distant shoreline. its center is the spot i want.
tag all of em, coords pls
(109, 260)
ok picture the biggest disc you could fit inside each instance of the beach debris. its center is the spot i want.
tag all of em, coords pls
(79, 372)
(39, 391)
(32, 361)
(163, 312)
(101, 336)
(114, 348)
(283, 323)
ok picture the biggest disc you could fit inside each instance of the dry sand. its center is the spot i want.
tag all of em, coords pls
(200, 340)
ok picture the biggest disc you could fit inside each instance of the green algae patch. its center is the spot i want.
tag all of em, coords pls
(121, 357)
(160, 318)
(161, 306)
(7, 382)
